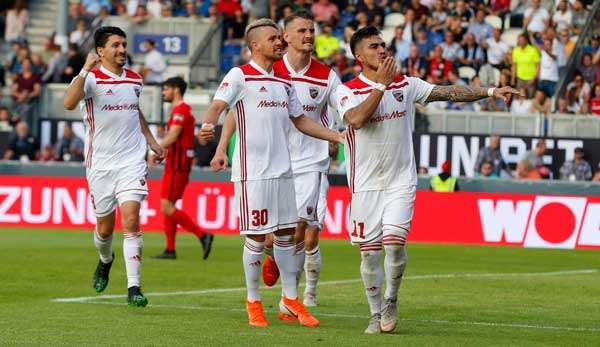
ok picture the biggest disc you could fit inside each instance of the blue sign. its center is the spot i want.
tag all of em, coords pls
(165, 44)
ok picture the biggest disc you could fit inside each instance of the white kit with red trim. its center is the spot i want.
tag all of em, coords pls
(263, 103)
(110, 110)
(315, 86)
(380, 155)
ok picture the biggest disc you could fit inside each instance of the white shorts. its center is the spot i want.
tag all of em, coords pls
(266, 206)
(376, 213)
(111, 187)
(311, 197)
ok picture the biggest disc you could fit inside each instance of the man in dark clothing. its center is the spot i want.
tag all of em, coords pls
(22, 146)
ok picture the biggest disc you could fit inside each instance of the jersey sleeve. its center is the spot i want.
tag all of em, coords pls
(332, 112)
(231, 88)
(419, 90)
(344, 100)
(294, 105)
(88, 86)
(178, 116)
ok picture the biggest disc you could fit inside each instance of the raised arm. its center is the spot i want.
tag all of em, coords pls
(75, 92)
(469, 93)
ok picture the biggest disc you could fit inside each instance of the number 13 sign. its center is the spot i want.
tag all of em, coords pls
(165, 44)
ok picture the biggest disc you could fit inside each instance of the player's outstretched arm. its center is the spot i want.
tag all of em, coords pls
(219, 161)
(75, 92)
(154, 146)
(210, 118)
(469, 93)
(171, 137)
(311, 128)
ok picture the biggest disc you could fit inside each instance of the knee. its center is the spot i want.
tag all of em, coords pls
(131, 224)
(166, 207)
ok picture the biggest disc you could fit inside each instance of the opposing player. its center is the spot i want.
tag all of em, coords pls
(378, 108)
(179, 145)
(116, 142)
(264, 103)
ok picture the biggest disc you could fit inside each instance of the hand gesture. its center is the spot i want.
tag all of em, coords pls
(159, 152)
(219, 161)
(387, 71)
(505, 93)
(207, 132)
(91, 61)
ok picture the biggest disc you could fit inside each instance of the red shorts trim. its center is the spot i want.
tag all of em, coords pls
(173, 184)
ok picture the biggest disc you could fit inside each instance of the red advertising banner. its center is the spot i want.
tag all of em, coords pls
(525, 220)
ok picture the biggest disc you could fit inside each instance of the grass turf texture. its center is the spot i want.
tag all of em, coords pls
(38, 265)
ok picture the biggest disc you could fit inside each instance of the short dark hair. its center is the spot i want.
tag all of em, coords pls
(362, 34)
(298, 15)
(151, 42)
(103, 33)
(176, 82)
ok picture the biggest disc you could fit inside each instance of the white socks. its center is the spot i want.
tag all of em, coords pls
(299, 256)
(283, 249)
(394, 264)
(104, 247)
(372, 276)
(252, 259)
(132, 252)
(312, 269)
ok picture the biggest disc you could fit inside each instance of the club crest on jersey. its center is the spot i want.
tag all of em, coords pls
(263, 89)
(137, 91)
(224, 85)
(142, 182)
(344, 101)
(309, 210)
(399, 95)
(314, 92)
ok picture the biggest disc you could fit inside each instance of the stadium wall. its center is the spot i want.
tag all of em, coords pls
(533, 214)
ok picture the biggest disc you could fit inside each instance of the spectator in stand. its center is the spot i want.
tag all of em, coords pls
(410, 25)
(525, 67)
(213, 14)
(548, 74)
(595, 100)
(424, 43)
(374, 13)
(300, 5)
(535, 158)
(154, 64)
(228, 7)
(415, 65)
(25, 91)
(362, 20)
(100, 18)
(588, 70)
(80, 33)
(579, 16)
(487, 171)
(470, 54)
(463, 13)
(69, 147)
(47, 154)
(325, 43)
(451, 49)
(596, 177)
(563, 106)
(541, 103)
(75, 62)
(580, 88)
(141, 15)
(23, 146)
(437, 21)
(577, 169)
(155, 8)
(480, 28)
(574, 106)
(521, 105)
(497, 50)
(75, 14)
(287, 11)
(526, 171)
(563, 17)
(594, 45)
(491, 154)
(38, 65)
(439, 68)
(92, 7)
(17, 19)
(237, 26)
(560, 43)
(325, 11)
(419, 9)
(500, 8)
(537, 18)
(5, 119)
(400, 48)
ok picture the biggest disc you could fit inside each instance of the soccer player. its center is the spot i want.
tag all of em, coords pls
(116, 142)
(179, 145)
(264, 103)
(378, 108)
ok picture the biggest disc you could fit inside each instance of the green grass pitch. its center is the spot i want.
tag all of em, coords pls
(452, 296)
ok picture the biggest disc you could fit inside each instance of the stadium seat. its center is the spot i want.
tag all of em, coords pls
(511, 36)
(494, 21)
(392, 20)
(466, 72)
(388, 34)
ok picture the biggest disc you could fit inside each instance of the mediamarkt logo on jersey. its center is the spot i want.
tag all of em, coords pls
(272, 103)
(523, 220)
(123, 107)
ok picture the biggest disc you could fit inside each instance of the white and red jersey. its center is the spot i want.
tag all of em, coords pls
(263, 103)
(110, 110)
(315, 86)
(380, 155)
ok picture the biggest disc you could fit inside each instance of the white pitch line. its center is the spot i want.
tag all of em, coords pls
(339, 282)
(343, 315)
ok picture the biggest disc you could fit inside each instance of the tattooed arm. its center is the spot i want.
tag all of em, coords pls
(467, 93)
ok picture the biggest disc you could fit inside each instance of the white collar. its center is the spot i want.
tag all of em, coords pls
(260, 69)
(291, 69)
(366, 80)
(110, 73)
